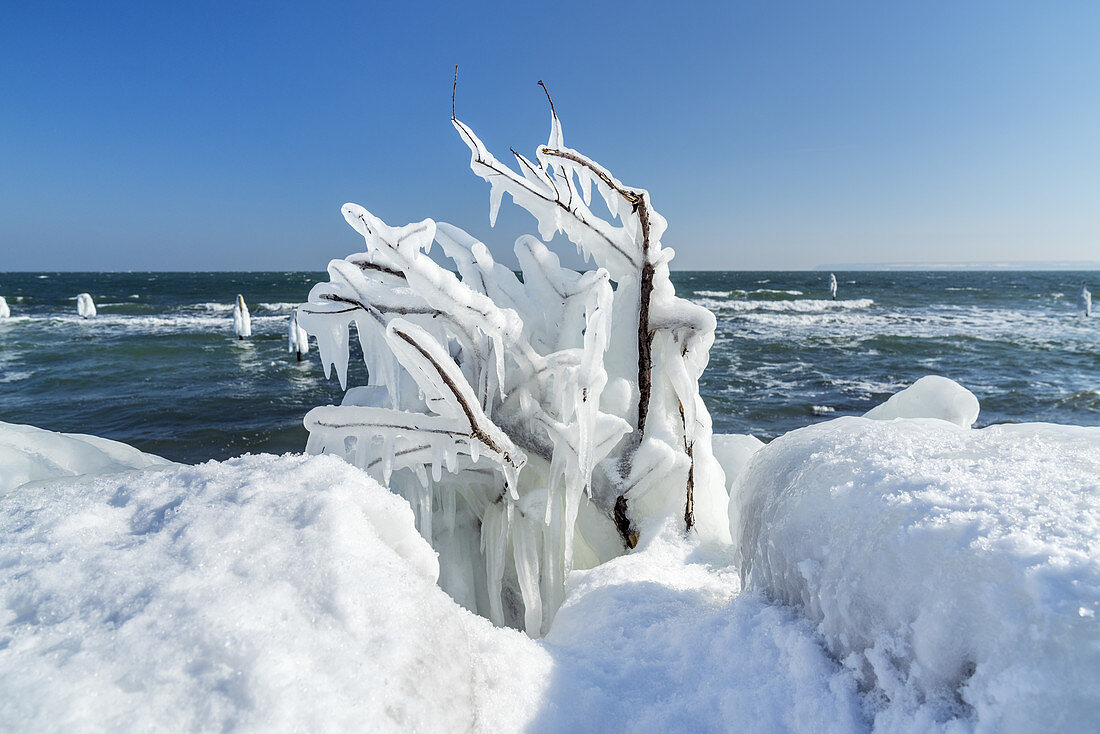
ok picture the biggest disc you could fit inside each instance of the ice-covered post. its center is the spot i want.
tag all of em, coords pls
(1084, 300)
(297, 339)
(5, 312)
(85, 306)
(832, 286)
(242, 321)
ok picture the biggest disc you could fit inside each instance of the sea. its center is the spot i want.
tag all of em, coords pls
(160, 367)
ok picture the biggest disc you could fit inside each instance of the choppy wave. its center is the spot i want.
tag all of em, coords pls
(806, 305)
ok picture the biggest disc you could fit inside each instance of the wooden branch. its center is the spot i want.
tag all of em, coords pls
(380, 269)
(645, 296)
(622, 523)
(476, 431)
(556, 201)
(689, 447)
(453, 90)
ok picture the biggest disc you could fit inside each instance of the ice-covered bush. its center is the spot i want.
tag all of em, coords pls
(563, 406)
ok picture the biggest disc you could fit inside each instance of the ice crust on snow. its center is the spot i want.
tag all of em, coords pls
(274, 594)
(954, 571)
(663, 640)
(931, 396)
(28, 454)
(260, 594)
(85, 306)
(931, 578)
(242, 321)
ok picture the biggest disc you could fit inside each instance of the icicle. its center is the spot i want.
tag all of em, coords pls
(451, 456)
(387, 458)
(437, 460)
(449, 507)
(494, 543)
(526, 555)
(496, 194)
(424, 510)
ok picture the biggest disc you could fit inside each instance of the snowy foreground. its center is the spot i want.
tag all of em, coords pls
(899, 574)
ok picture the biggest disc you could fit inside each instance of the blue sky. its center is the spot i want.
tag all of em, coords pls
(225, 136)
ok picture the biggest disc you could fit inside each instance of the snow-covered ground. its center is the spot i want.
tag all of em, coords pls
(954, 571)
(905, 574)
(28, 454)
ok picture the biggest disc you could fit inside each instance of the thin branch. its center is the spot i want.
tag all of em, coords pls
(476, 431)
(521, 182)
(453, 90)
(552, 110)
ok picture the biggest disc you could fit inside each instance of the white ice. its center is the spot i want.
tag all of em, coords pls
(242, 321)
(5, 312)
(931, 396)
(953, 571)
(85, 306)
(297, 339)
(932, 578)
(262, 594)
(28, 454)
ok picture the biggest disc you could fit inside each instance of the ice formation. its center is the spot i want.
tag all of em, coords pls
(1084, 300)
(931, 396)
(263, 594)
(953, 571)
(832, 286)
(85, 306)
(29, 454)
(564, 406)
(297, 340)
(242, 321)
(5, 312)
(733, 451)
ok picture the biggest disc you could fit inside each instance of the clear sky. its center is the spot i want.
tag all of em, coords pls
(225, 136)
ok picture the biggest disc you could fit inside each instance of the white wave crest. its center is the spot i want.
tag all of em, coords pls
(806, 305)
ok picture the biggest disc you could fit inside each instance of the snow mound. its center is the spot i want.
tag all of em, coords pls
(259, 594)
(954, 571)
(28, 454)
(660, 640)
(931, 396)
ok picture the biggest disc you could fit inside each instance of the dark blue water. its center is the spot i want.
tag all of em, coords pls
(160, 367)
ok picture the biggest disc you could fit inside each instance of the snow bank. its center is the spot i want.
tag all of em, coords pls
(28, 454)
(931, 396)
(259, 594)
(954, 571)
(660, 640)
